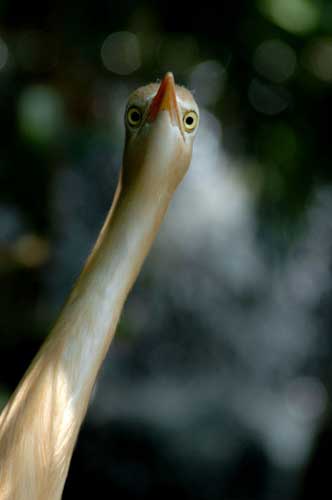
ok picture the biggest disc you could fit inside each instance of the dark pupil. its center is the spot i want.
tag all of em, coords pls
(135, 116)
(189, 120)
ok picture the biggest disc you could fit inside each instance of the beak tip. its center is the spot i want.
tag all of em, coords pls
(165, 99)
(169, 76)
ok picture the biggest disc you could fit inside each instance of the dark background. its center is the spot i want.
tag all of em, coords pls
(217, 385)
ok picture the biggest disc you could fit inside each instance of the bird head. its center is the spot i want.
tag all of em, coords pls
(161, 123)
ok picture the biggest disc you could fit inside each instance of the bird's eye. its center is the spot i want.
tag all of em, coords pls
(190, 121)
(134, 116)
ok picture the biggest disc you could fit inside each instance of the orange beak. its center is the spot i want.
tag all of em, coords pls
(165, 100)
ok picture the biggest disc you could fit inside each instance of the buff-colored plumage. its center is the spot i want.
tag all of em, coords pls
(40, 424)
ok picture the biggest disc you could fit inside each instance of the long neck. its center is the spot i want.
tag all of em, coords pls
(39, 426)
(96, 302)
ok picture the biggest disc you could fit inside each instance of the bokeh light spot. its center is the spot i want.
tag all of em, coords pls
(207, 80)
(40, 114)
(3, 54)
(318, 59)
(295, 16)
(31, 250)
(266, 98)
(120, 53)
(275, 60)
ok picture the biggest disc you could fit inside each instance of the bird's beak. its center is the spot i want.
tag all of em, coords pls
(165, 100)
